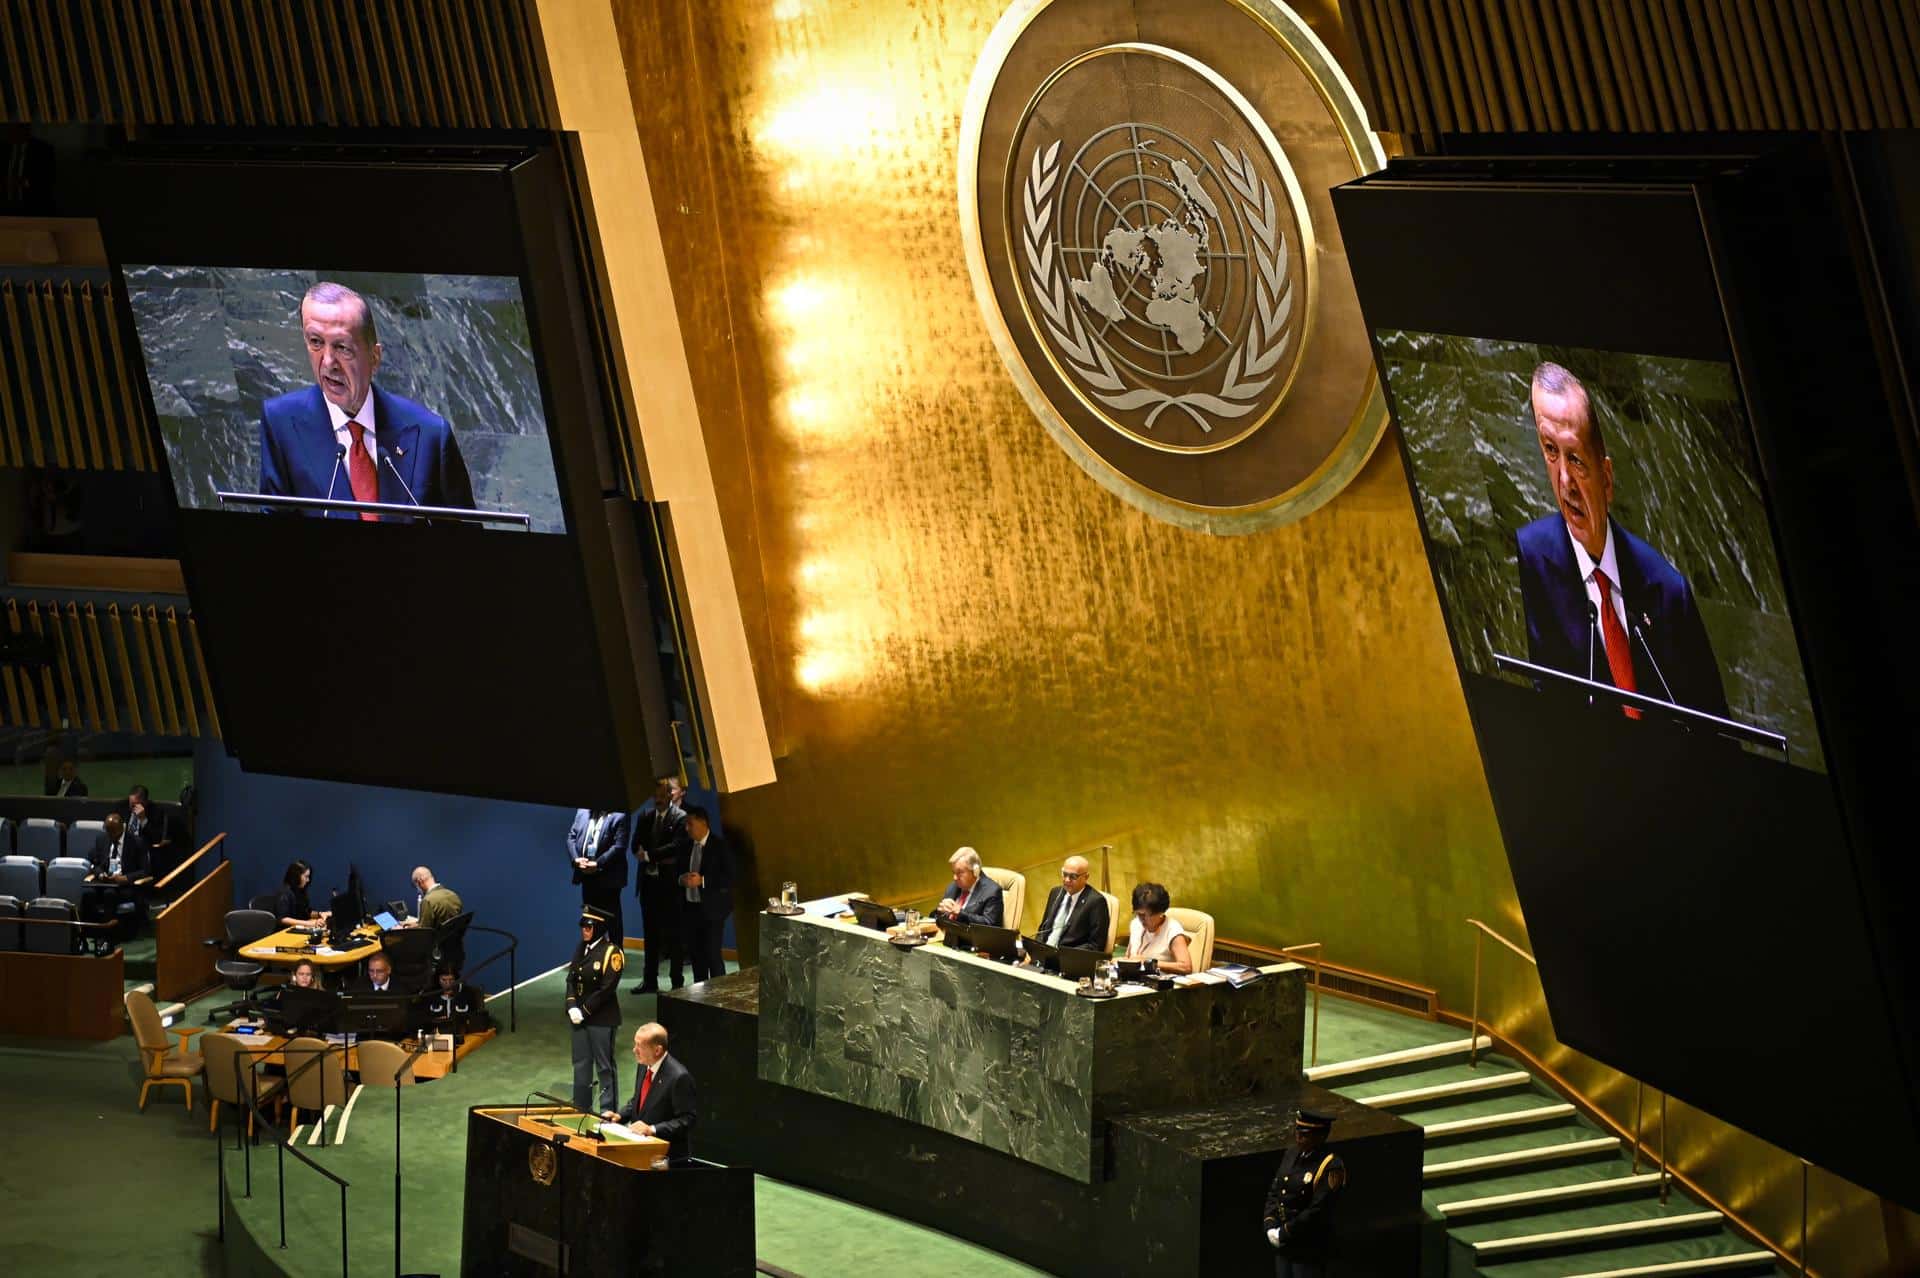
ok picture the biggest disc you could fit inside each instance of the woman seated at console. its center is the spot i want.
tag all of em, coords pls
(293, 908)
(1155, 934)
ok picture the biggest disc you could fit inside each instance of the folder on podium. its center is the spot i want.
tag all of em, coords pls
(553, 1190)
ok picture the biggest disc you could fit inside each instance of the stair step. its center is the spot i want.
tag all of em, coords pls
(1553, 1195)
(1522, 1157)
(1494, 1122)
(1626, 1231)
(1449, 1091)
(1389, 1060)
(1735, 1261)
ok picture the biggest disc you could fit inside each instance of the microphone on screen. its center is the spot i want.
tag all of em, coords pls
(339, 455)
(386, 456)
(1593, 624)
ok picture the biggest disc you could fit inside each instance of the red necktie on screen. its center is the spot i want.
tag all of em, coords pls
(646, 1085)
(1619, 655)
(360, 472)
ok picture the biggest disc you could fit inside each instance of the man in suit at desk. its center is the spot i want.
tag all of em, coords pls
(972, 897)
(707, 885)
(119, 861)
(663, 1104)
(1076, 915)
(379, 977)
(1600, 602)
(389, 448)
(660, 846)
(597, 847)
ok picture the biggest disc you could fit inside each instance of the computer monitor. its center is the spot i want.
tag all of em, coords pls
(994, 942)
(382, 1015)
(873, 914)
(313, 1011)
(1070, 961)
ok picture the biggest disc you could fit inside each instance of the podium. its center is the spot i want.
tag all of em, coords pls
(542, 1199)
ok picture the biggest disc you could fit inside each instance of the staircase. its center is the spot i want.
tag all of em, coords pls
(1519, 1185)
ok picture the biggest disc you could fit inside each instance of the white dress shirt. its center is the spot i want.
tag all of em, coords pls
(693, 866)
(343, 436)
(1607, 564)
(1060, 919)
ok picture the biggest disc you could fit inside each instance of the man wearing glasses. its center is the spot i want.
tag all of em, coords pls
(1076, 917)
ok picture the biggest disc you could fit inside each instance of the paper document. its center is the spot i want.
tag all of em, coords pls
(619, 1131)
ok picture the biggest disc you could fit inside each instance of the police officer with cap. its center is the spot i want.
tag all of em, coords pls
(593, 1005)
(1299, 1214)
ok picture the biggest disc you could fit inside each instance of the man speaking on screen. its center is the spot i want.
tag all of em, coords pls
(1600, 602)
(345, 439)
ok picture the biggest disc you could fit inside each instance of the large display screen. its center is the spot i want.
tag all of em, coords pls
(348, 386)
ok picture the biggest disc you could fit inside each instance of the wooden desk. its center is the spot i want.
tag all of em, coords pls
(637, 1154)
(265, 1048)
(264, 950)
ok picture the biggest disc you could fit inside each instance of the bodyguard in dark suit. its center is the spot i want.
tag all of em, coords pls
(1076, 914)
(1600, 602)
(663, 1104)
(345, 438)
(706, 884)
(972, 897)
(597, 850)
(659, 838)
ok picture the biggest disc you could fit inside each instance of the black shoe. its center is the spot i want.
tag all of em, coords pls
(645, 988)
(678, 984)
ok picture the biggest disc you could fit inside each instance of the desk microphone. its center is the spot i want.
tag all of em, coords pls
(339, 455)
(386, 455)
(1647, 648)
(1593, 624)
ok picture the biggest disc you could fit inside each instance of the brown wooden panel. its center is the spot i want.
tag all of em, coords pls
(62, 996)
(183, 964)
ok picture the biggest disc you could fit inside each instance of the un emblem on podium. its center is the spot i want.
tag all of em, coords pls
(1161, 275)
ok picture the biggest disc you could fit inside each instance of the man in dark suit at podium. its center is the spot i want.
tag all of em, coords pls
(1600, 602)
(344, 438)
(663, 1104)
(1076, 914)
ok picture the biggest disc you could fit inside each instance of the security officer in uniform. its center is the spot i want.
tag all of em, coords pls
(593, 1005)
(1299, 1214)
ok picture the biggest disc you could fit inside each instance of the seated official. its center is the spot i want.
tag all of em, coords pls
(379, 979)
(457, 1007)
(1076, 915)
(305, 976)
(116, 855)
(292, 908)
(1155, 934)
(972, 897)
(663, 1104)
(67, 785)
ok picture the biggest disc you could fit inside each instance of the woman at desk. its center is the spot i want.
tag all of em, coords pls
(1155, 934)
(292, 906)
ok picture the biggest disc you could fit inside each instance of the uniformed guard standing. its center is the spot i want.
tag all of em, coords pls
(1299, 1214)
(593, 1005)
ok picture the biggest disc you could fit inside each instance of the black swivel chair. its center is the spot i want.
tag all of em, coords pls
(451, 941)
(410, 951)
(244, 927)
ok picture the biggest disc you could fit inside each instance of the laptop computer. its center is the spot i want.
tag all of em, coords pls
(994, 942)
(1070, 961)
(873, 914)
(386, 921)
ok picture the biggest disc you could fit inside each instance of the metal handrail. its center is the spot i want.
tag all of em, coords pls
(1319, 957)
(281, 1142)
(513, 971)
(217, 841)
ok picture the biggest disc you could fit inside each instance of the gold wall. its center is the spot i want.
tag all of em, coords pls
(960, 639)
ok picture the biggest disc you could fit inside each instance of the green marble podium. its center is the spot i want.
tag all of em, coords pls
(1008, 1057)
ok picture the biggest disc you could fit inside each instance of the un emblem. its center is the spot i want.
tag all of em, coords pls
(1150, 257)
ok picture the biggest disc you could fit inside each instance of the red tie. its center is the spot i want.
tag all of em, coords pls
(646, 1085)
(360, 472)
(1619, 655)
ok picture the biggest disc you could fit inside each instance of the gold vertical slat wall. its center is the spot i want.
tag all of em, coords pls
(106, 669)
(347, 63)
(66, 398)
(1666, 66)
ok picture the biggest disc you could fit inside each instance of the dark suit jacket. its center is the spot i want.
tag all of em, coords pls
(1659, 603)
(716, 867)
(665, 842)
(78, 790)
(1087, 929)
(671, 1106)
(987, 904)
(134, 857)
(611, 855)
(298, 451)
(155, 832)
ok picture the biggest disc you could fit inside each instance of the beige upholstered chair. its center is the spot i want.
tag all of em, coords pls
(1113, 919)
(163, 1064)
(234, 1077)
(1013, 888)
(1198, 925)
(381, 1064)
(314, 1085)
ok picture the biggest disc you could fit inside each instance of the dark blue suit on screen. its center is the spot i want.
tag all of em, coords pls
(298, 450)
(1659, 603)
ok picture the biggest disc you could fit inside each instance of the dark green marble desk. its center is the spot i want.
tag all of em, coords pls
(1004, 1056)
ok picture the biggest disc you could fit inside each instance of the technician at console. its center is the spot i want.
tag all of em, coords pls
(292, 906)
(343, 437)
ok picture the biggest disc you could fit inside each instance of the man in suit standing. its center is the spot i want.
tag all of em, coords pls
(346, 439)
(972, 897)
(707, 887)
(1076, 915)
(149, 824)
(659, 845)
(1600, 602)
(663, 1104)
(597, 847)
